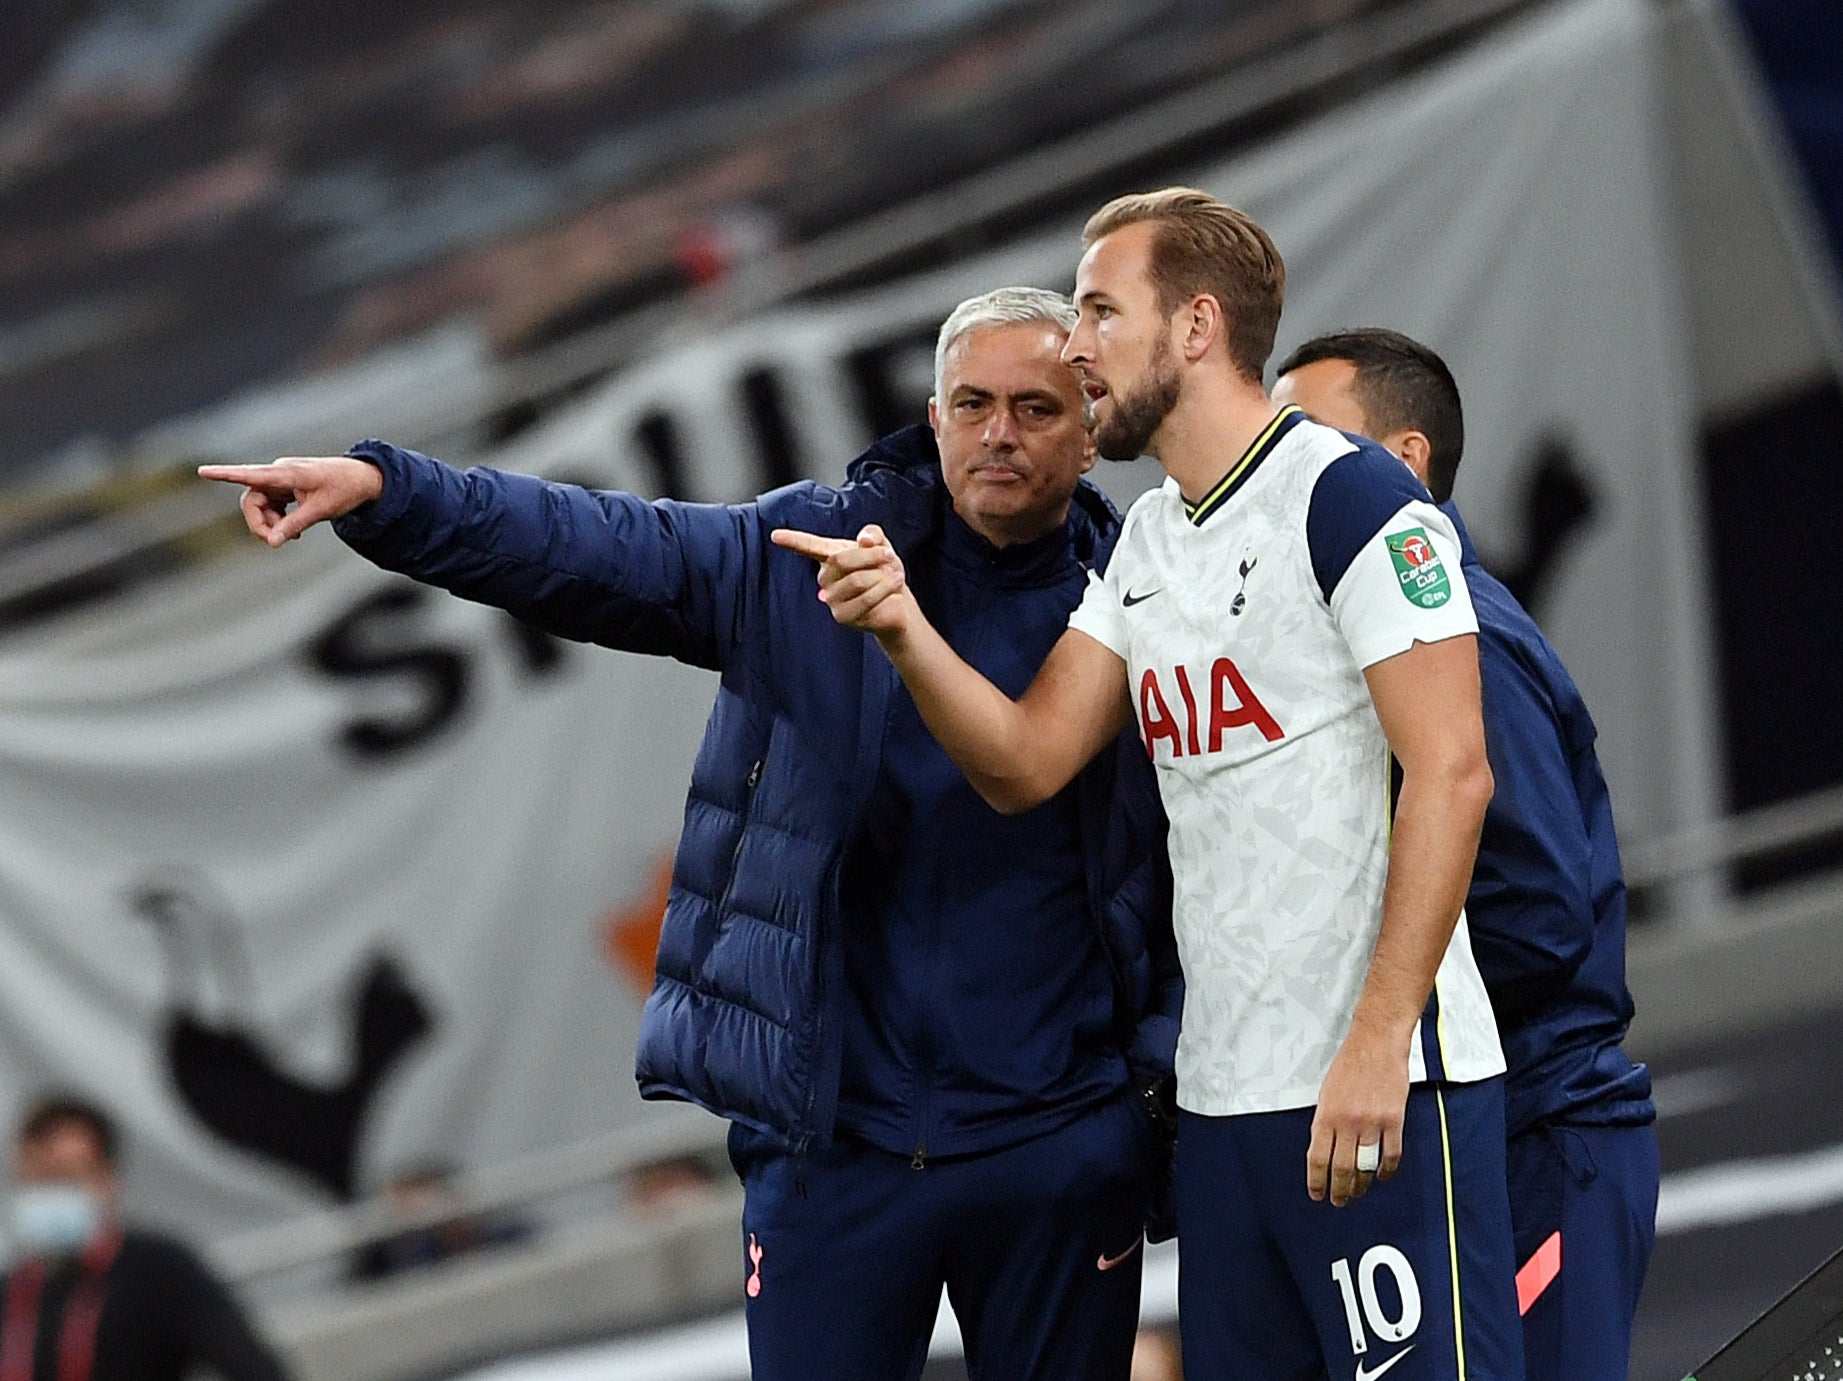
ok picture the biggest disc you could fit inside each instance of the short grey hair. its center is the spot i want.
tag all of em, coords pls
(1001, 307)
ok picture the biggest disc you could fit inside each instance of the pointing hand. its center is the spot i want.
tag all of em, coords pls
(319, 487)
(861, 580)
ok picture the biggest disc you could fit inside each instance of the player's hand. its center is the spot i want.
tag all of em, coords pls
(1362, 1103)
(318, 487)
(861, 580)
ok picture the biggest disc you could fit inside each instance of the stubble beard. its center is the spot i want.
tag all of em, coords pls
(1137, 415)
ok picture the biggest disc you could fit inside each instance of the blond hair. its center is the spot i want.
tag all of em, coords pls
(1201, 245)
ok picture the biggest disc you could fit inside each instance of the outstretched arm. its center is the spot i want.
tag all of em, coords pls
(670, 578)
(1016, 753)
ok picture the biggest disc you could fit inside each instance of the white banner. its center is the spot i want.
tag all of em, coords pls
(311, 874)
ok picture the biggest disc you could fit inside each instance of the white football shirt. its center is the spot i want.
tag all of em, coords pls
(1246, 621)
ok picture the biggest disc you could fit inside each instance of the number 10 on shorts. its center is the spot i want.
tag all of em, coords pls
(1363, 1307)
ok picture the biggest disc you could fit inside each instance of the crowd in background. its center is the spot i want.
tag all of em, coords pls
(199, 194)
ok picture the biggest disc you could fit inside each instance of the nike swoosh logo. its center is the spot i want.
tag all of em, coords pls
(1107, 1263)
(1131, 599)
(1363, 1375)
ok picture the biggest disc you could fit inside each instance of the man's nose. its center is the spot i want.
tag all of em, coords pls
(1075, 348)
(1001, 430)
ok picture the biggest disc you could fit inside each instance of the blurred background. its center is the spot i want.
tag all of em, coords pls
(342, 896)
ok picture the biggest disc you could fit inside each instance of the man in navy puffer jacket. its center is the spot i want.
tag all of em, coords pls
(931, 1026)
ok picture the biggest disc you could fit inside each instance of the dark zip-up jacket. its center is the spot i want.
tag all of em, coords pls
(1546, 907)
(744, 1018)
(164, 1317)
(977, 1001)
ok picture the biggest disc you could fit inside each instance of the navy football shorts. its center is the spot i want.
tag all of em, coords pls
(1415, 1281)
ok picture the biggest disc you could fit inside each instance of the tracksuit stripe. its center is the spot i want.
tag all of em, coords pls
(1452, 1234)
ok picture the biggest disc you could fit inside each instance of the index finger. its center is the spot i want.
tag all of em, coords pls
(237, 474)
(810, 543)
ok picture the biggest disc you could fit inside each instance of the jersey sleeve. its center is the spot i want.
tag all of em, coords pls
(1386, 559)
(1100, 614)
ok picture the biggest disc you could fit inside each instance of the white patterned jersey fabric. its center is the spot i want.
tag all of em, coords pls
(1246, 621)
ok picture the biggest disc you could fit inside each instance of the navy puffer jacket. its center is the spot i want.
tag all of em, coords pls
(743, 1018)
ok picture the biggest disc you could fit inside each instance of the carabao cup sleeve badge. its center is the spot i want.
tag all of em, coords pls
(1417, 567)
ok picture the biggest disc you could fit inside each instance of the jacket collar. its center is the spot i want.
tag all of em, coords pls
(1468, 554)
(911, 457)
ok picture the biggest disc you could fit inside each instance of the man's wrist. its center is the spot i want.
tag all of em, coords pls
(898, 640)
(1371, 1027)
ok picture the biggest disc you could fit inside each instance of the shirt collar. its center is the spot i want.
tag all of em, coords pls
(1040, 559)
(1243, 469)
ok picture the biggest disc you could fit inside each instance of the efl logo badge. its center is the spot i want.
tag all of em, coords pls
(1417, 567)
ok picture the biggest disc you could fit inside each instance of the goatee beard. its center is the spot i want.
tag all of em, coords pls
(1137, 415)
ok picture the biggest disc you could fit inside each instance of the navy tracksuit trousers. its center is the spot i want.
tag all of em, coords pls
(1584, 1204)
(845, 1253)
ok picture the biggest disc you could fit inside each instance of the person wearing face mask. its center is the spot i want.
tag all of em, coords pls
(86, 1298)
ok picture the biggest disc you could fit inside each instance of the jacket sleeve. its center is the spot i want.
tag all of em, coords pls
(1167, 1008)
(1148, 894)
(1153, 1050)
(668, 578)
(1153, 1053)
(1149, 890)
(1531, 899)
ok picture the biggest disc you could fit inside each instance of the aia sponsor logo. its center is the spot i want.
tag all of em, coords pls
(1228, 703)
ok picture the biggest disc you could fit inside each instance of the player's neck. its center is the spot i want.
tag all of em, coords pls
(1215, 421)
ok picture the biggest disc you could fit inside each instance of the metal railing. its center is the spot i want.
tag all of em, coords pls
(335, 1233)
(1720, 844)
(338, 1232)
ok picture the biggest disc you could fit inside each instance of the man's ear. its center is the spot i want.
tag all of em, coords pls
(1415, 450)
(1202, 324)
(934, 419)
(1089, 451)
